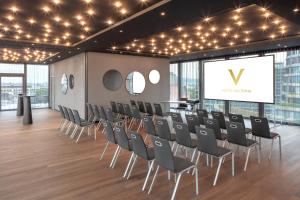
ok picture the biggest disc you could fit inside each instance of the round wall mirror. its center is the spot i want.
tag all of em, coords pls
(135, 83)
(71, 81)
(112, 80)
(154, 76)
(64, 84)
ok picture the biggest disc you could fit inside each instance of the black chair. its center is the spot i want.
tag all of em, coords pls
(215, 126)
(62, 114)
(137, 118)
(121, 110)
(149, 126)
(163, 130)
(202, 113)
(110, 137)
(128, 114)
(237, 136)
(158, 110)
(114, 107)
(261, 129)
(82, 124)
(149, 109)
(184, 139)
(111, 118)
(140, 149)
(124, 144)
(96, 120)
(192, 121)
(132, 103)
(176, 117)
(141, 107)
(207, 144)
(239, 119)
(68, 122)
(72, 119)
(220, 117)
(103, 117)
(91, 113)
(164, 158)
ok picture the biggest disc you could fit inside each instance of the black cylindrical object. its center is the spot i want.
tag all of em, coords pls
(27, 119)
(20, 106)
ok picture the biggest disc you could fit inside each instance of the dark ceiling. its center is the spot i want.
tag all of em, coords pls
(140, 21)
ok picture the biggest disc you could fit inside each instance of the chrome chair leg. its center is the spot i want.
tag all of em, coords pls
(115, 162)
(218, 171)
(114, 157)
(128, 165)
(176, 186)
(196, 179)
(232, 164)
(104, 150)
(279, 138)
(148, 175)
(154, 177)
(132, 166)
(247, 159)
(272, 144)
(82, 129)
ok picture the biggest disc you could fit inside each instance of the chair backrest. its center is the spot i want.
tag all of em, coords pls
(77, 117)
(260, 127)
(102, 113)
(61, 111)
(141, 107)
(163, 153)
(207, 142)
(236, 118)
(176, 117)
(215, 126)
(90, 110)
(149, 109)
(138, 145)
(96, 112)
(122, 138)
(109, 133)
(163, 129)
(236, 133)
(72, 119)
(109, 114)
(202, 113)
(158, 110)
(114, 107)
(136, 113)
(120, 109)
(132, 102)
(192, 121)
(183, 136)
(127, 110)
(220, 117)
(149, 126)
(66, 113)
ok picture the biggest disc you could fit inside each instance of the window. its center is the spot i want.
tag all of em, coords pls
(189, 80)
(287, 88)
(11, 68)
(174, 82)
(244, 108)
(37, 85)
(214, 105)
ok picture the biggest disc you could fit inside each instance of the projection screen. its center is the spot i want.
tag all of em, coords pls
(245, 79)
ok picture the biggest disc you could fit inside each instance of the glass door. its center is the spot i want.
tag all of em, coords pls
(10, 86)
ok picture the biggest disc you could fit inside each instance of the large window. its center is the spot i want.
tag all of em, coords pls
(174, 82)
(244, 108)
(37, 85)
(287, 88)
(189, 80)
(214, 105)
(11, 68)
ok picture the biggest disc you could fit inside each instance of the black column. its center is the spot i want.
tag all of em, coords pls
(27, 119)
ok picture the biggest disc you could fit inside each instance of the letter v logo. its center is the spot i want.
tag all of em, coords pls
(236, 79)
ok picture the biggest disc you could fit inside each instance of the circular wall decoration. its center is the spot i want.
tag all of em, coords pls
(71, 81)
(112, 80)
(64, 84)
(135, 83)
(154, 76)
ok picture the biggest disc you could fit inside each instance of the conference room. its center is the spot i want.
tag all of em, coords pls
(149, 99)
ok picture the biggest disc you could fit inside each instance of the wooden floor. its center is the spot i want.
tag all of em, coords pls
(38, 162)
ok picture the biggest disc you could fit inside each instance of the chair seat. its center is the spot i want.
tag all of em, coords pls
(248, 130)
(221, 152)
(273, 134)
(223, 137)
(181, 164)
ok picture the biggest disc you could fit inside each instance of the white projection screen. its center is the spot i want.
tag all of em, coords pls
(244, 79)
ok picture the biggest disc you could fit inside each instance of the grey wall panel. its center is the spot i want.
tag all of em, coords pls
(74, 98)
(99, 63)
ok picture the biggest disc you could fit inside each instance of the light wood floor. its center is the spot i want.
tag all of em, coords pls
(38, 162)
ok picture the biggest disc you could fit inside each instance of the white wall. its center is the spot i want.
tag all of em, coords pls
(75, 98)
(99, 63)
